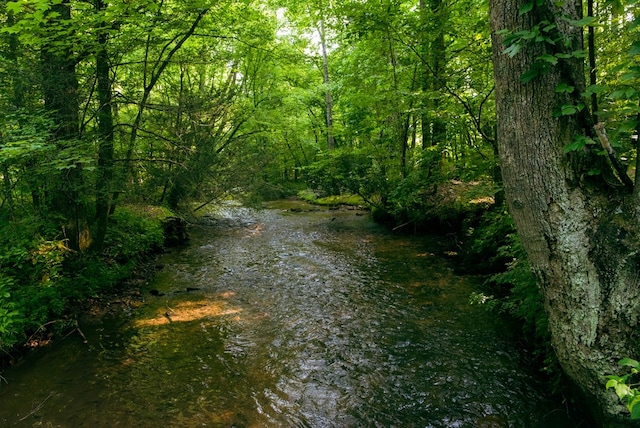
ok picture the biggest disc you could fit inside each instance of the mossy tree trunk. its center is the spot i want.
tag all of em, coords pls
(580, 233)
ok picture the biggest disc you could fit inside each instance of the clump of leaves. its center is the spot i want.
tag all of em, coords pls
(131, 235)
(516, 294)
(523, 299)
(342, 171)
(626, 386)
(8, 314)
(489, 244)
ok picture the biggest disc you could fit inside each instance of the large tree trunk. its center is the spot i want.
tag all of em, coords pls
(580, 235)
(60, 89)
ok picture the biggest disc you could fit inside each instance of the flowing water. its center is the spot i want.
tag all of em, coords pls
(282, 318)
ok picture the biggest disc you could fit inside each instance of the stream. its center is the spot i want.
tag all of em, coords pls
(289, 316)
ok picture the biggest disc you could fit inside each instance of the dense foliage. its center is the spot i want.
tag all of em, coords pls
(180, 103)
(43, 282)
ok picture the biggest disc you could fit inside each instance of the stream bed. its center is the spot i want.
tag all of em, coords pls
(289, 316)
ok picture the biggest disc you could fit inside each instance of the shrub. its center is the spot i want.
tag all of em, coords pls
(627, 386)
(8, 314)
(41, 280)
(131, 235)
(518, 294)
(489, 245)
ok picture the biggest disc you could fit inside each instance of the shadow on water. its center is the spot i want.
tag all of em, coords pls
(305, 318)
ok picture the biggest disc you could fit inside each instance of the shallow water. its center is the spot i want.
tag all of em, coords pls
(295, 319)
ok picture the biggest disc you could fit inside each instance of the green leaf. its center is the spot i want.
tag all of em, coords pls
(573, 147)
(549, 58)
(579, 141)
(587, 20)
(622, 390)
(568, 110)
(14, 7)
(525, 8)
(628, 362)
(529, 75)
(595, 89)
(616, 95)
(635, 412)
(563, 87)
(630, 75)
(512, 50)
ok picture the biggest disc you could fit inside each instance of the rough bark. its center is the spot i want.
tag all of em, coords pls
(579, 235)
(60, 89)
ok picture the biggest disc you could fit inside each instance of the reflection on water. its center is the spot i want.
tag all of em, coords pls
(280, 318)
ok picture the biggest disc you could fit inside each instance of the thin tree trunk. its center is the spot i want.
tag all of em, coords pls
(437, 56)
(425, 123)
(433, 53)
(104, 173)
(153, 78)
(591, 38)
(327, 84)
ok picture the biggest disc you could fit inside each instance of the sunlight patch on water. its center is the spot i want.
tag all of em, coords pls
(291, 318)
(188, 311)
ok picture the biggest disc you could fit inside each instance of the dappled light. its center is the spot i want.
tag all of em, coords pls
(319, 318)
(247, 144)
(186, 311)
(254, 230)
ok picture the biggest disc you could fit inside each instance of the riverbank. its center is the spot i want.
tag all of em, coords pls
(45, 288)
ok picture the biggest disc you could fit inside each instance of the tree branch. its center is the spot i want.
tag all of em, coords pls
(613, 156)
(636, 187)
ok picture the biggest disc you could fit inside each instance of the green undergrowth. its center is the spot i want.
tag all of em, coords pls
(493, 248)
(331, 200)
(43, 284)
